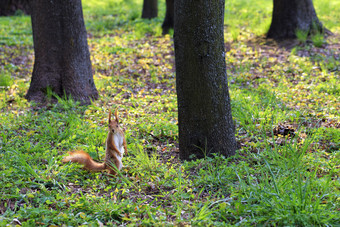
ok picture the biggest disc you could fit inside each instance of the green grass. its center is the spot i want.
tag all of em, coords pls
(16, 30)
(5, 80)
(302, 36)
(284, 102)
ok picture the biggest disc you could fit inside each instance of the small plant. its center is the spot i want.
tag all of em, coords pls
(19, 13)
(235, 32)
(318, 39)
(301, 35)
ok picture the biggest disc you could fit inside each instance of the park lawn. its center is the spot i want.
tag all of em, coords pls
(285, 104)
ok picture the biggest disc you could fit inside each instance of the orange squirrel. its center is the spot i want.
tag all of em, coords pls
(115, 149)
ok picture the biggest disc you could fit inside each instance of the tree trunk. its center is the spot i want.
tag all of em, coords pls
(150, 9)
(62, 58)
(168, 22)
(9, 7)
(292, 15)
(204, 112)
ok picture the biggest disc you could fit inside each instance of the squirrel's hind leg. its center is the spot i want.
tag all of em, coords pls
(113, 169)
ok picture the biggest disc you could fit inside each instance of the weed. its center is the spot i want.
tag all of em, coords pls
(318, 39)
(301, 35)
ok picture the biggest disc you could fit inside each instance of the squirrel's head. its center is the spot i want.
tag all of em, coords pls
(114, 124)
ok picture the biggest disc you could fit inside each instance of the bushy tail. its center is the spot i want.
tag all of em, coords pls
(84, 158)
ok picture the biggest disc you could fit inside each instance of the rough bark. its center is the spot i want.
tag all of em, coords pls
(204, 112)
(62, 58)
(150, 9)
(168, 22)
(292, 15)
(10, 7)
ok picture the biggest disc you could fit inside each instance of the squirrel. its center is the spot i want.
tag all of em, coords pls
(115, 149)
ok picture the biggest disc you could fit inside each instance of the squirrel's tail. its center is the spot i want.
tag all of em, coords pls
(84, 158)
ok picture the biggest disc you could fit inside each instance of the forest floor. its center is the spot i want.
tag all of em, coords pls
(285, 105)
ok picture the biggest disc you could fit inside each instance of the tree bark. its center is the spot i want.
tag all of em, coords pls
(62, 58)
(168, 22)
(150, 9)
(204, 112)
(9, 7)
(292, 15)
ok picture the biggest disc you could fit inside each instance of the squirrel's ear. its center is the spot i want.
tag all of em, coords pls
(109, 116)
(116, 115)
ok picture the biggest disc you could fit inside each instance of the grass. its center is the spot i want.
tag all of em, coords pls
(284, 102)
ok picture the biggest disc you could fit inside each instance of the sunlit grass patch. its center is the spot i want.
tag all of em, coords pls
(327, 15)
(5, 80)
(16, 30)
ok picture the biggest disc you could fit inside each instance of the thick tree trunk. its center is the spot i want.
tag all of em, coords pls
(9, 7)
(292, 15)
(150, 9)
(62, 58)
(204, 112)
(168, 22)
